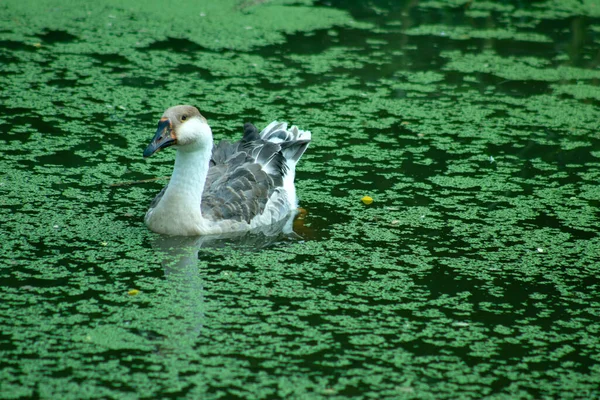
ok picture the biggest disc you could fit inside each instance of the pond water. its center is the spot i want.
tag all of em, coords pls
(474, 126)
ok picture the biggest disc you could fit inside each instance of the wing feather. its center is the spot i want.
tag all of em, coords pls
(242, 177)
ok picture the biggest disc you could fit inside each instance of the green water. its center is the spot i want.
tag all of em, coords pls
(474, 126)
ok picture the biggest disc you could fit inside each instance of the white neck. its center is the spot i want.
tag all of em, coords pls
(189, 176)
(178, 212)
(191, 165)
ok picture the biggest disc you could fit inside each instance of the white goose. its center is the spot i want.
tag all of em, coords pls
(228, 187)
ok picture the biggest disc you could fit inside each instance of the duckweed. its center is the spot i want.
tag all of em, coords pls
(474, 274)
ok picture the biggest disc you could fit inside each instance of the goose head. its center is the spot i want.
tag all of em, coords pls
(183, 127)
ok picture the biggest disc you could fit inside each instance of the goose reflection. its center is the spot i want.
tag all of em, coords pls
(182, 259)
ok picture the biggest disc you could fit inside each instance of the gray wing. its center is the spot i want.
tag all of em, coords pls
(242, 177)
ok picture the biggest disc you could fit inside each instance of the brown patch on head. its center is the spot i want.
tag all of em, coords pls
(179, 114)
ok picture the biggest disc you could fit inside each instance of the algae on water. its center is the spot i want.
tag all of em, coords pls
(472, 126)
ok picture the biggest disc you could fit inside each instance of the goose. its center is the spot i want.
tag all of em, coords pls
(227, 187)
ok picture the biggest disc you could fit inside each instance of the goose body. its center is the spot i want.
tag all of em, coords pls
(227, 187)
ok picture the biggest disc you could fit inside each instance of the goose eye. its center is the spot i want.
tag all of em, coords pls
(183, 117)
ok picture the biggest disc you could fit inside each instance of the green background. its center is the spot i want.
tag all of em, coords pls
(474, 125)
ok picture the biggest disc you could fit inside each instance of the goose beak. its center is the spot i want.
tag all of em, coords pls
(164, 137)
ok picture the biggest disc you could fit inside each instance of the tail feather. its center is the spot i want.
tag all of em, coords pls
(279, 130)
(293, 142)
(292, 151)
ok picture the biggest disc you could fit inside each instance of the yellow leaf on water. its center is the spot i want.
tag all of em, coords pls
(367, 200)
(133, 292)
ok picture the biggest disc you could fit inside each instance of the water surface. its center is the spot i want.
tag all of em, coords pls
(473, 125)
